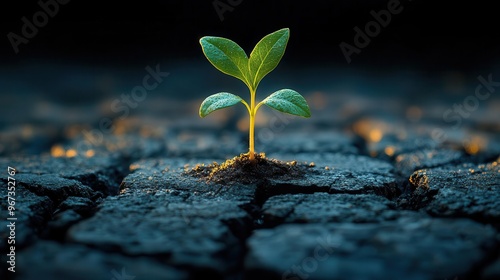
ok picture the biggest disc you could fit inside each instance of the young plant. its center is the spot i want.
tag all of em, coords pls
(231, 59)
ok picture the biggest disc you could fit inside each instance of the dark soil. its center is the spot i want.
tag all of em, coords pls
(241, 169)
(155, 198)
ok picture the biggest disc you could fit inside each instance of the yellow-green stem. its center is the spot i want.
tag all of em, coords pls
(251, 149)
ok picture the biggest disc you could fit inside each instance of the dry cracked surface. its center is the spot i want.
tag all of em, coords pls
(390, 209)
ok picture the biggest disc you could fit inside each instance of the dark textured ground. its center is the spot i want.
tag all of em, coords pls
(380, 198)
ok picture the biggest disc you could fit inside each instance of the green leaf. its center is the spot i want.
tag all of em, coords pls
(267, 54)
(227, 56)
(218, 101)
(288, 101)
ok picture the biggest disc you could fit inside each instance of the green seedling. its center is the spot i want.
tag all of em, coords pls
(229, 58)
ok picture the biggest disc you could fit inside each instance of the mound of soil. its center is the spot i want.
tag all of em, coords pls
(241, 169)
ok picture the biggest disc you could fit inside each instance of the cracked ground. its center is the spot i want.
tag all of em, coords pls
(380, 198)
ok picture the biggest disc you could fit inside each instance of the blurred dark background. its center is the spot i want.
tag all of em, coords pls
(87, 55)
(428, 35)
